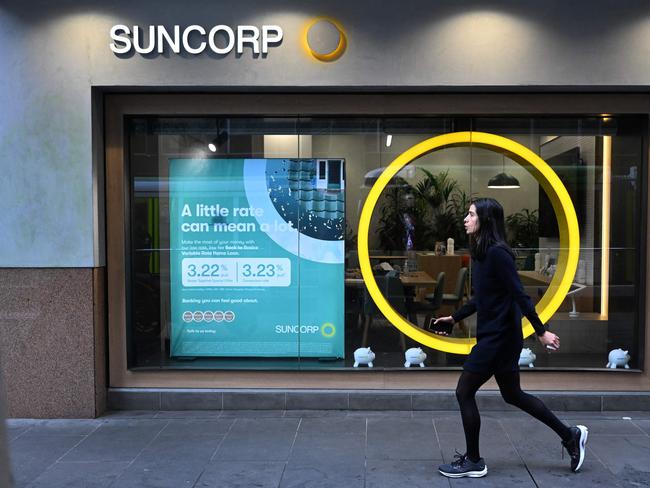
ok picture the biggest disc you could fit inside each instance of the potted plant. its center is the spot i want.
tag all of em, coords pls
(436, 205)
(460, 202)
(523, 230)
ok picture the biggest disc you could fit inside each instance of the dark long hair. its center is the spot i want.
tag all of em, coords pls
(491, 229)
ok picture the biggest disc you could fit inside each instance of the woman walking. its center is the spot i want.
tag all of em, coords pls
(499, 300)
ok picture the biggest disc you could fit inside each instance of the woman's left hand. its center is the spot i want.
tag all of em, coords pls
(549, 339)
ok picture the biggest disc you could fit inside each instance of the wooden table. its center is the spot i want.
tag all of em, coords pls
(533, 278)
(417, 278)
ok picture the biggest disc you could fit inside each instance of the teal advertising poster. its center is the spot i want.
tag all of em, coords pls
(257, 257)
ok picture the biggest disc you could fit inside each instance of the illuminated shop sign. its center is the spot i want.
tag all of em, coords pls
(194, 39)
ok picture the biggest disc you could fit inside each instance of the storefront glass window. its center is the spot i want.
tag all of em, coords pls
(243, 238)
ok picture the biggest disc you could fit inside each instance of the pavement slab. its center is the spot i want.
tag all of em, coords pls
(400, 438)
(414, 474)
(116, 440)
(329, 448)
(187, 428)
(241, 474)
(62, 427)
(81, 475)
(261, 439)
(254, 414)
(644, 425)
(335, 425)
(505, 466)
(315, 413)
(31, 456)
(319, 449)
(187, 414)
(16, 430)
(625, 456)
(170, 462)
(350, 474)
(540, 450)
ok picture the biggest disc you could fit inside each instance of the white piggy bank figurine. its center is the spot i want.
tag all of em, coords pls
(527, 357)
(363, 355)
(414, 355)
(618, 357)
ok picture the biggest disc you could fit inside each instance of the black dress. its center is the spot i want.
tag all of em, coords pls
(498, 300)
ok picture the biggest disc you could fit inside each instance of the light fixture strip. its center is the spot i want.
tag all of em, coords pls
(606, 207)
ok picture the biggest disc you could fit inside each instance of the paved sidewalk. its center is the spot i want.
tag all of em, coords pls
(318, 449)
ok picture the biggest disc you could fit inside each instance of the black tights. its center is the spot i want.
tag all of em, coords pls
(468, 385)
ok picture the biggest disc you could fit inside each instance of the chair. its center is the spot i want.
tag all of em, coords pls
(433, 303)
(352, 260)
(393, 290)
(456, 298)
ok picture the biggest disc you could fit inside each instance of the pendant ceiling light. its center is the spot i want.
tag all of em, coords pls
(503, 181)
(370, 178)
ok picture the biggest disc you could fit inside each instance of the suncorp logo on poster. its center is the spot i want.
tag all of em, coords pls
(327, 330)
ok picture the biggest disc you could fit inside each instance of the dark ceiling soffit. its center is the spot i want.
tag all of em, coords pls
(414, 89)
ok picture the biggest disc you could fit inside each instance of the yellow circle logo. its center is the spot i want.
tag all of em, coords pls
(324, 39)
(566, 218)
(331, 330)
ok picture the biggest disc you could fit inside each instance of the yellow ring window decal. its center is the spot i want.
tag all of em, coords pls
(566, 218)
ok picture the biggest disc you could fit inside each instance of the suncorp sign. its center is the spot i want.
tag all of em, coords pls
(194, 39)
